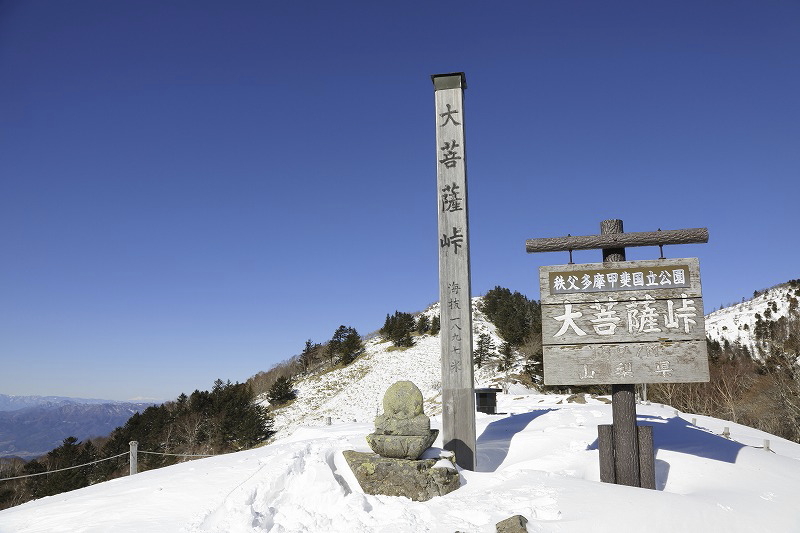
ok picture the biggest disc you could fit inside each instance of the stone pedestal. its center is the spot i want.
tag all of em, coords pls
(402, 446)
(419, 480)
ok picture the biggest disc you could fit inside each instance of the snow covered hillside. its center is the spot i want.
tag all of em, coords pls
(354, 393)
(737, 322)
(538, 457)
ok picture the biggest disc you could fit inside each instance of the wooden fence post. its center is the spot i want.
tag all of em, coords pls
(134, 454)
(605, 445)
(647, 460)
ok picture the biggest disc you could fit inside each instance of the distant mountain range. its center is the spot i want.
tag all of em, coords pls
(31, 426)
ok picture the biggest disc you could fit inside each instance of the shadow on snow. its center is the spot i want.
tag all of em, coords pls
(495, 441)
(676, 434)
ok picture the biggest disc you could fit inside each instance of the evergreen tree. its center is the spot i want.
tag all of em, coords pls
(515, 317)
(351, 347)
(281, 391)
(435, 325)
(506, 356)
(335, 344)
(241, 423)
(345, 344)
(398, 328)
(387, 326)
(484, 349)
(36, 486)
(307, 356)
(423, 324)
(506, 361)
(88, 454)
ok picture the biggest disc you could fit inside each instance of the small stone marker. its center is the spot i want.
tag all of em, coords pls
(402, 433)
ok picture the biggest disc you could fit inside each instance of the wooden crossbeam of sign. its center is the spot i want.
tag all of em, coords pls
(617, 240)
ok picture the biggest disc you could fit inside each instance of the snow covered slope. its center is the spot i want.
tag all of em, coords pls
(737, 322)
(355, 393)
(540, 460)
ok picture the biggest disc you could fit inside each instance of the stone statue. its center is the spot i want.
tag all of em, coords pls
(401, 434)
(402, 431)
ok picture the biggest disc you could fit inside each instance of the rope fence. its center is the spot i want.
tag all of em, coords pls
(134, 451)
(63, 469)
(178, 454)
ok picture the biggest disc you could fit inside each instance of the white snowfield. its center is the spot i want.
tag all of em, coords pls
(538, 459)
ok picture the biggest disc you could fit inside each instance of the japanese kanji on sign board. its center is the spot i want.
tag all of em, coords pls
(624, 322)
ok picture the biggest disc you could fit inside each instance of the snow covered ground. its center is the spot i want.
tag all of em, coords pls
(539, 459)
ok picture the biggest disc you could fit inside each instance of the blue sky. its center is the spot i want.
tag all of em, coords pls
(190, 190)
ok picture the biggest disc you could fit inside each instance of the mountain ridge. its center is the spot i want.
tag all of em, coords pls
(32, 431)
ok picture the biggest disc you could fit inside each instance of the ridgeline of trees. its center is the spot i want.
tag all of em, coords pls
(516, 318)
(401, 328)
(225, 419)
(519, 324)
(342, 349)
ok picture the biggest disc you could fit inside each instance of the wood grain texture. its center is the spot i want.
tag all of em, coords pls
(647, 459)
(618, 240)
(458, 434)
(458, 418)
(605, 445)
(646, 362)
(626, 441)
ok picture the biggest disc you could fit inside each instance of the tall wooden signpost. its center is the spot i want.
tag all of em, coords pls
(458, 398)
(623, 322)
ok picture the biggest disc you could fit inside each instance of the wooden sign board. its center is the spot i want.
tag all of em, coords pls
(623, 322)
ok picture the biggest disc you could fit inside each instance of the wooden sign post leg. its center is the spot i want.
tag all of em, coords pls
(623, 397)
